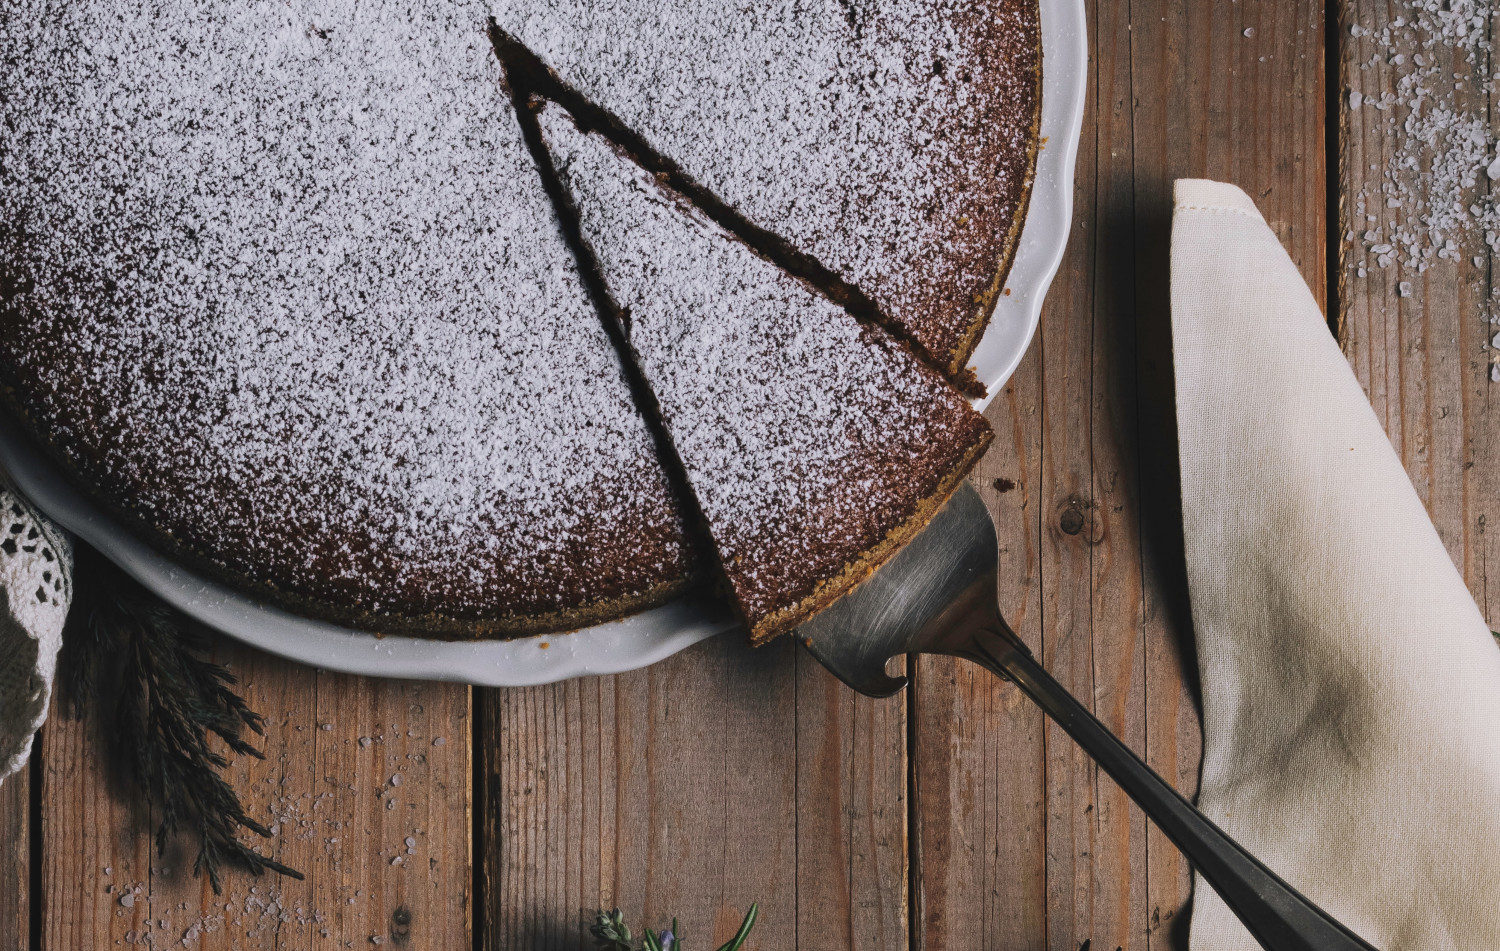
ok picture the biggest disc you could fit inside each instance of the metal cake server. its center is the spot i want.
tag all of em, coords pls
(937, 596)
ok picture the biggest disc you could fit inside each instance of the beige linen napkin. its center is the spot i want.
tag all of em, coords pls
(1351, 689)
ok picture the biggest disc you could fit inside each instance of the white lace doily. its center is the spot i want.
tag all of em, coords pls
(36, 587)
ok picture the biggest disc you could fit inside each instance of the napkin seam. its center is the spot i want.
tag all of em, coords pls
(1229, 208)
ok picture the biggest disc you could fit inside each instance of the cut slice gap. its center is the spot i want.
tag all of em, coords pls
(698, 541)
(528, 75)
(813, 444)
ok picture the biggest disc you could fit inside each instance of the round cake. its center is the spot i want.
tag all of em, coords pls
(282, 288)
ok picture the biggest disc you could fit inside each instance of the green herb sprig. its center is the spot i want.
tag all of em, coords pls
(143, 670)
(610, 933)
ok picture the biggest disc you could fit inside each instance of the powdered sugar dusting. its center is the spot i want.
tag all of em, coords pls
(888, 140)
(283, 280)
(805, 436)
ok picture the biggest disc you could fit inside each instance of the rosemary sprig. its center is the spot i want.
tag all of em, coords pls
(610, 933)
(143, 670)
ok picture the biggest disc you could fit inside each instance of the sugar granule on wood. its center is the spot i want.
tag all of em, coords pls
(1432, 200)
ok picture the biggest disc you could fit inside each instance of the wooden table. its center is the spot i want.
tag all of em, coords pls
(951, 817)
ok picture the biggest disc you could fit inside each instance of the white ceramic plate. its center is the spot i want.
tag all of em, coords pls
(652, 635)
(1044, 238)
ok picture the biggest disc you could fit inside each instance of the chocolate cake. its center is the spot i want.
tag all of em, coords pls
(283, 288)
(813, 445)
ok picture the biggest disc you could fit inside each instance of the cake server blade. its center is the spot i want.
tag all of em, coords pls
(937, 596)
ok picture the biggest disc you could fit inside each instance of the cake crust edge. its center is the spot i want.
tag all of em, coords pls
(958, 370)
(430, 625)
(788, 618)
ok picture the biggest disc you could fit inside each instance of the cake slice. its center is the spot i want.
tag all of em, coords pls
(813, 445)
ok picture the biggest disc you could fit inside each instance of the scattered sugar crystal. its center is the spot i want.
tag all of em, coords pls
(1438, 144)
(1404, 288)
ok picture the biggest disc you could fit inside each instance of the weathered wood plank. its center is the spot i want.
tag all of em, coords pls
(94, 852)
(720, 777)
(668, 791)
(1087, 432)
(851, 815)
(1110, 529)
(1067, 530)
(978, 845)
(340, 814)
(1233, 93)
(16, 870)
(1423, 355)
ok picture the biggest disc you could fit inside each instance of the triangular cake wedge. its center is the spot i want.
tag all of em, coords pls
(813, 445)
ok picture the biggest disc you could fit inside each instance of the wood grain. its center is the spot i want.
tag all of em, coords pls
(979, 780)
(15, 868)
(1422, 359)
(851, 815)
(93, 850)
(720, 777)
(1090, 513)
(329, 787)
(1235, 94)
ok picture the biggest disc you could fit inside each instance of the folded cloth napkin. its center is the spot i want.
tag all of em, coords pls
(36, 567)
(1351, 688)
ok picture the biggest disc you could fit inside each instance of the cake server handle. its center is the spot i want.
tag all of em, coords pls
(1279, 917)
